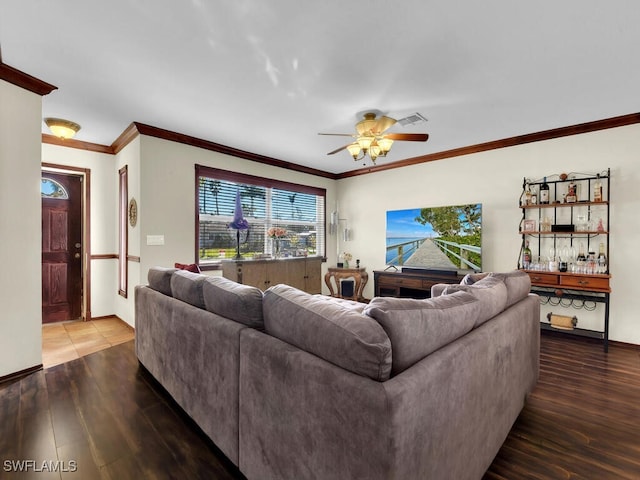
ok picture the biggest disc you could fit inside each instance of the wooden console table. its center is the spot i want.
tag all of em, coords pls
(360, 276)
(410, 284)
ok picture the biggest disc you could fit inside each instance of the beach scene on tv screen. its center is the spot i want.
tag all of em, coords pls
(443, 238)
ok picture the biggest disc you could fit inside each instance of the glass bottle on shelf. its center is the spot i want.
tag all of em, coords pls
(572, 196)
(602, 260)
(581, 259)
(526, 256)
(527, 195)
(591, 263)
(597, 189)
(544, 192)
(534, 196)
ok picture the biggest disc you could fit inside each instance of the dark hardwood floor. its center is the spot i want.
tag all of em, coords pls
(104, 417)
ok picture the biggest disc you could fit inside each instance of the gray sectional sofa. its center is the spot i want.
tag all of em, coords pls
(297, 386)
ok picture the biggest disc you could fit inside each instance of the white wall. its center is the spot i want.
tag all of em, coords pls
(167, 196)
(494, 178)
(20, 229)
(103, 190)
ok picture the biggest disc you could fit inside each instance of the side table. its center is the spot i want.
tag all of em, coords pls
(360, 276)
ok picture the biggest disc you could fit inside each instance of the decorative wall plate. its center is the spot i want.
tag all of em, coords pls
(133, 212)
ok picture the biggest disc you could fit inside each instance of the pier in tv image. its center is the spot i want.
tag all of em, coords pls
(436, 238)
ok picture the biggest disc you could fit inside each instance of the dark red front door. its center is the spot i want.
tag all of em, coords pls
(61, 247)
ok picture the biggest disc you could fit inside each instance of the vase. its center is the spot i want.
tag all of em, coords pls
(276, 248)
(346, 264)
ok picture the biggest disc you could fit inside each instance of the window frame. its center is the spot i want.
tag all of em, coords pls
(123, 231)
(247, 179)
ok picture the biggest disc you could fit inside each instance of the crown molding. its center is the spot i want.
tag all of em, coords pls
(79, 144)
(578, 129)
(26, 81)
(217, 147)
(137, 128)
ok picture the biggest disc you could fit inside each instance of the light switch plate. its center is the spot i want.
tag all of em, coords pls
(155, 239)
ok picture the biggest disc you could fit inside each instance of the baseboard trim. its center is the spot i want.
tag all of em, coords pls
(20, 374)
(103, 317)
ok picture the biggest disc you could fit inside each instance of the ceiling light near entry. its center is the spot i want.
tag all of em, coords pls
(61, 128)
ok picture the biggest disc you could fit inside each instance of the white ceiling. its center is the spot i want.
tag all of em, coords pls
(267, 76)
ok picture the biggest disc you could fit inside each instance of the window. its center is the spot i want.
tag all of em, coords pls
(297, 209)
(49, 188)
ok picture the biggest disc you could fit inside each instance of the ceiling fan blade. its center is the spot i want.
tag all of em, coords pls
(339, 134)
(338, 149)
(383, 124)
(410, 137)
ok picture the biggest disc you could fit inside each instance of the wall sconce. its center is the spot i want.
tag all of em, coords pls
(334, 226)
(62, 128)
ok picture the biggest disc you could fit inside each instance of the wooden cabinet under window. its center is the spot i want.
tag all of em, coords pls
(303, 273)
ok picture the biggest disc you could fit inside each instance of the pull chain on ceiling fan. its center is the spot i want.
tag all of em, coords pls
(371, 140)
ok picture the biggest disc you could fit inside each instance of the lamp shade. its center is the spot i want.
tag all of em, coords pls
(385, 145)
(365, 142)
(354, 150)
(62, 128)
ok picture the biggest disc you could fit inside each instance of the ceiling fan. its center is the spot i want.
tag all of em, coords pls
(371, 140)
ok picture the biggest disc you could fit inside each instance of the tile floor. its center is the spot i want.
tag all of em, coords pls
(65, 341)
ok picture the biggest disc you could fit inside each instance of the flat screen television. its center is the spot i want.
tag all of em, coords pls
(445, 238)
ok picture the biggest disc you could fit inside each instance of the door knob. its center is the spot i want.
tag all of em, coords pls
(78, 245)
(77, 255)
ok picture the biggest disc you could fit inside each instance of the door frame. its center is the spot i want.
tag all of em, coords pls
(85, 173)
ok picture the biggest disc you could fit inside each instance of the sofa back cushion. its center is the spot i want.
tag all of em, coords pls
(159, 279)
(518, 285)
(328, 329)
(491, 292)
(241, 303)
(187, 286)
(419, 327)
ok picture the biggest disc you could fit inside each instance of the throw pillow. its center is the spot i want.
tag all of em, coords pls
(189, 267)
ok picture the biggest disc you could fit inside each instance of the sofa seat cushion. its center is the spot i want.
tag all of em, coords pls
(187, 286)
(419, 327)
(328, 329)
(241, 303)
(159, 279)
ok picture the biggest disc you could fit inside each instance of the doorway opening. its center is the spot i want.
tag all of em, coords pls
(65, 244)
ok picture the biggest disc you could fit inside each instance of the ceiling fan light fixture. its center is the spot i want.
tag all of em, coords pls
(62, 128)
(374, 152)
(372, 140)
(365, 127)
(354, 150)
(385, 146)
(364, 142)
